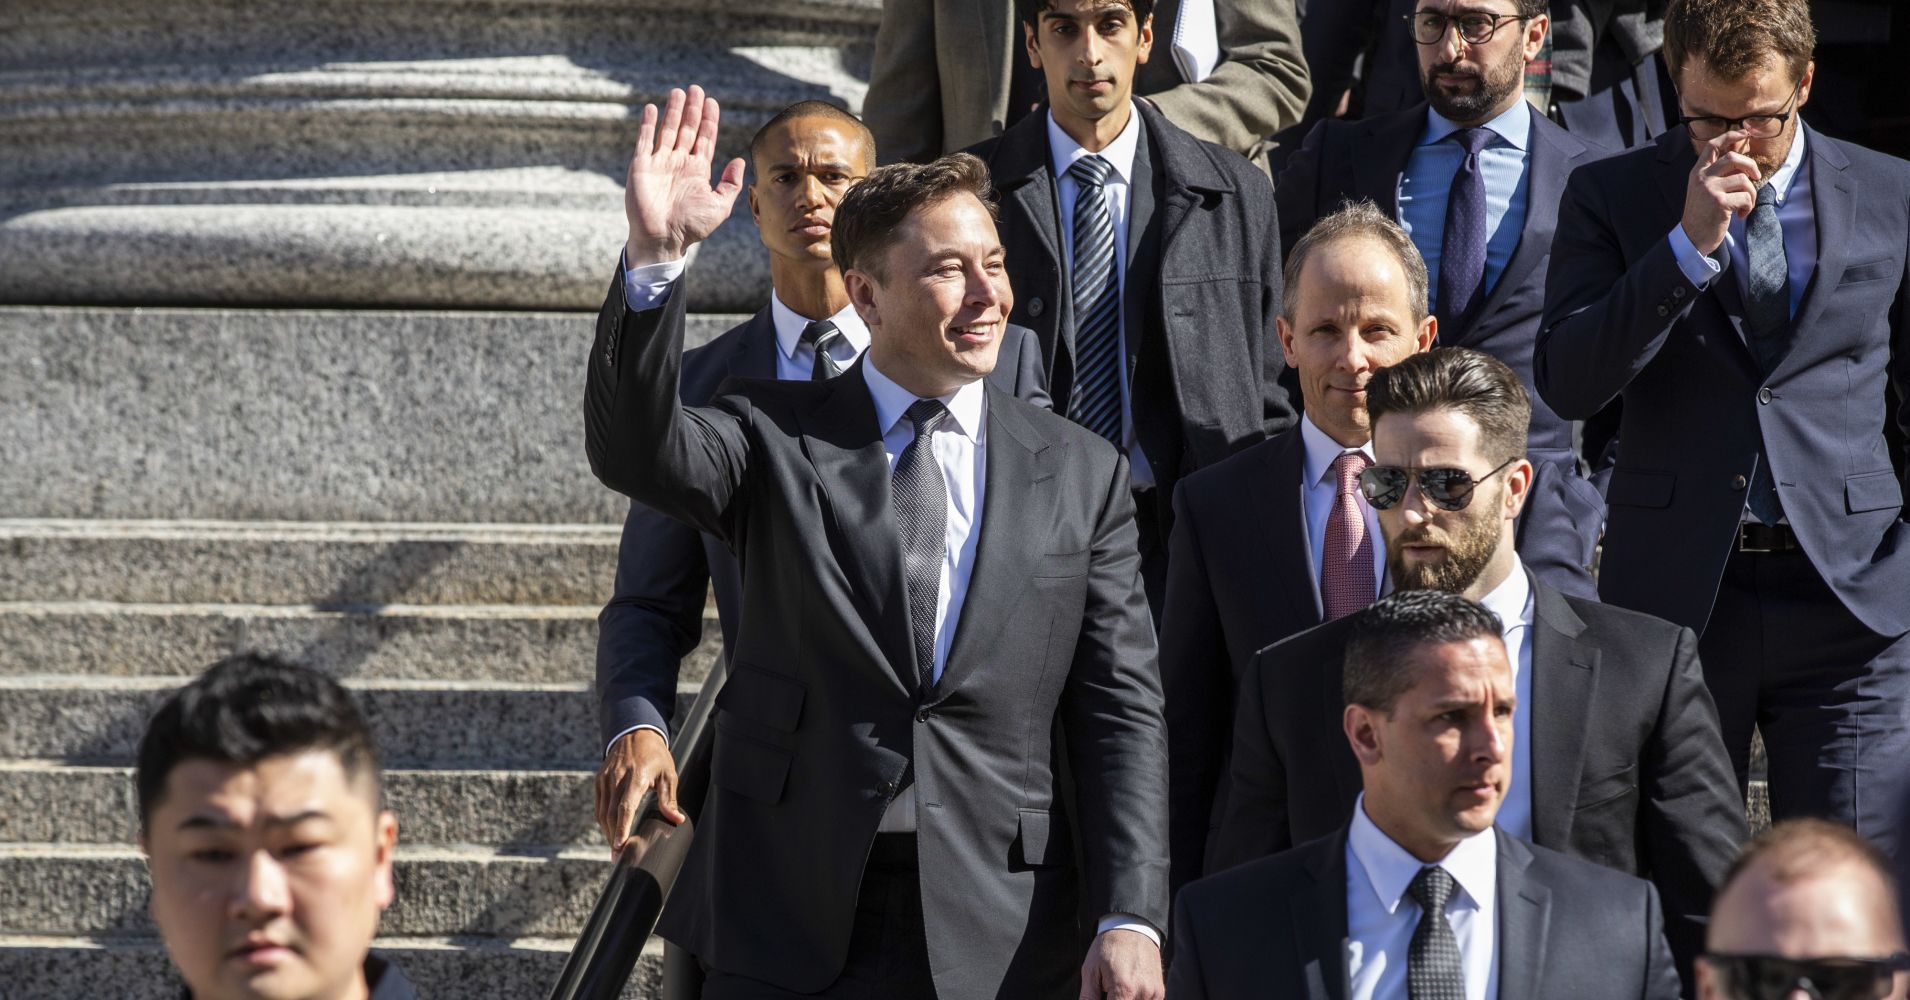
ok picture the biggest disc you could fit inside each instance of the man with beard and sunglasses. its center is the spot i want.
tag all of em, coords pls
(1806, 912)
(1473, 173)
(1616, 753)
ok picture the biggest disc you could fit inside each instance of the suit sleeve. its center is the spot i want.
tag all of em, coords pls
(1297, 190)
(1255, 824)
(654, 619)
(1196, 680)
(1661, 974)
(1605, 318)
(1900, 373)
(1184, 980)
(903, 107)
(1259, 88)
(1693, 818)
(686, 462)
(1111, 717)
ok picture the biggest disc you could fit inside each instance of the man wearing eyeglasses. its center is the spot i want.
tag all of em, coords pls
(1616, 757)
(1742, 287)
(1473, 173)
(1806, 912)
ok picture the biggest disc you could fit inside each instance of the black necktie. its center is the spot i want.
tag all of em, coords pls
(1096, 401)
(820, 336)
(1767, 314)
(1462, 250)
(921, 515)
(1433, 967)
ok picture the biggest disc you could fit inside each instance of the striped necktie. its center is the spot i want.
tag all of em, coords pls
(1096, 400)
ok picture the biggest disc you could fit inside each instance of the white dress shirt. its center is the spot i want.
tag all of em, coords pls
(1511, 600)
(1323, 487)
(1381, 918)
(1063, 151)
(1791, 185)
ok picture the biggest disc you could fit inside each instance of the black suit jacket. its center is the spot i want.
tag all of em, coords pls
(1277, 928)
(1623, 321)
(1364, 159)
(666, 568)
(820, 725)
(1202, 289)
(1628, 767)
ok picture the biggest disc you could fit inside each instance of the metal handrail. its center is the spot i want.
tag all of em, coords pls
(626, 912)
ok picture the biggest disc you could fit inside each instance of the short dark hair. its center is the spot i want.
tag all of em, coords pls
(1378, 660)
(1473, 383)
(247, 708)
(873, 210)
(1029, 11)
(1731, 37)
(1357, 218)
(810, 109)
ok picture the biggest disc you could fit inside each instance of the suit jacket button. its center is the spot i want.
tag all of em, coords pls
(1036, 307)
(886, 788)
(922, 714)
(1664, 311)
(1764, 395)
(1678, 292)
(1739, 483)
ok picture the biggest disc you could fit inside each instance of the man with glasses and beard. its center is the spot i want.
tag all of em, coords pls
(1616, 756)
(1473, 173)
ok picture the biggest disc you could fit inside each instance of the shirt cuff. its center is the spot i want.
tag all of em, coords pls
(1128, 922)
(648, 286)
(1698, 268)
(632, 729)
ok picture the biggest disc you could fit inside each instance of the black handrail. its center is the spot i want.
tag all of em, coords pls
(626, 913)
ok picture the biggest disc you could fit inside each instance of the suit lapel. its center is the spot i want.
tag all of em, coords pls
(1550, 152)
(756, 349)
(1016, 512)
(1024, 179)
(1188, 174)
(1279, 498)
(1564, 675)
(1834, 206)
(845, 447)
(1525, 914)
(1385, 146)
(1319, 920)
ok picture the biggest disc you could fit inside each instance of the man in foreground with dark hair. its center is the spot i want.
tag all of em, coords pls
(1618, 760)
(1808, 900)
(944, 617)
(1416, 896)
(269, 850)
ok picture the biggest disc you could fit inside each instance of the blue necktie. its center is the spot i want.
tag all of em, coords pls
(1767, 314)
(1462, 250)
(1096, 400)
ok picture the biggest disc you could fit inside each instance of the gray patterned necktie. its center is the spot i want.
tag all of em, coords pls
(920, 494)
(1096, 400)
(821, 335)
(1433, 967)
(1767, 315)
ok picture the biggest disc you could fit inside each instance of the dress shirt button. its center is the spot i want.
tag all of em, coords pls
(1036, 307)
(1765, 395)
(1739, 483)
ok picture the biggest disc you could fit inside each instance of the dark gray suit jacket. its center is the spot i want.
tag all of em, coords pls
(1628, 767)
(665, 568)
(1203, 287)
(1624, 322)
(1277, 928)
(820, 726)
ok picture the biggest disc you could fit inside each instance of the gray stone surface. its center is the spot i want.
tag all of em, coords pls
(299, 416)
(416, 723)
(55, 968)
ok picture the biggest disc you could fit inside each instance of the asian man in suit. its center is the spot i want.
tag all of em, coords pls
(1618, 760)
(1743, 285)
(1414, 894)
(945, 617)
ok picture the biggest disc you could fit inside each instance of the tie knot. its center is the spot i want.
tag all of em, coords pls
(927, 415)
(1766, 194)
(1431, 888)
(820, 334)
(1091, 170)
(1473, 139)
(1348, 468)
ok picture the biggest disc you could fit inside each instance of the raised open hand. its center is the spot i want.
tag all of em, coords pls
(667, 196)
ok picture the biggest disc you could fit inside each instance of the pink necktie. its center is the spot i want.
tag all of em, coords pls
(1346, 570)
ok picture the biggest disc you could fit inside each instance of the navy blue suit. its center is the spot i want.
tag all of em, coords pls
(1805, 644)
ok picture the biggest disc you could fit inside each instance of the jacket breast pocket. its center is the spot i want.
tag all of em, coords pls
(1872, 491)
(1041, 841)
(1869, 271)
(1638, 488)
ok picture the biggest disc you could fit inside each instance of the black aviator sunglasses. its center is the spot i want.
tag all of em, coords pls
(1773, 977)
(1446, 489)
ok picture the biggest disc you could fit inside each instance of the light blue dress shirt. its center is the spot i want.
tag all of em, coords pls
(1791, 183)
(1426, 184)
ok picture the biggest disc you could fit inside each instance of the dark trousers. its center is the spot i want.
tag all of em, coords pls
(1831, 697)
(888, 948)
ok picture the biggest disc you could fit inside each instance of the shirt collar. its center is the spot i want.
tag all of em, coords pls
(790, 325)
(1322, 450)
(1514, 125)
(1063, 150)
(892, 401)
(1511, 600)
(1473, 863)
(1786, 174)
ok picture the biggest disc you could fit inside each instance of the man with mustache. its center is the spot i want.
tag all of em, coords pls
(1743, 286)
(1413, 895)
(1616, 757)
(1473, 172)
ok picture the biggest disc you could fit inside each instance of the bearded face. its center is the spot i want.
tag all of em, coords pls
(1468, 545)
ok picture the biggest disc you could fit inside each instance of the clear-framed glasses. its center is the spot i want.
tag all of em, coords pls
(1477, 28)
(1705, 128)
